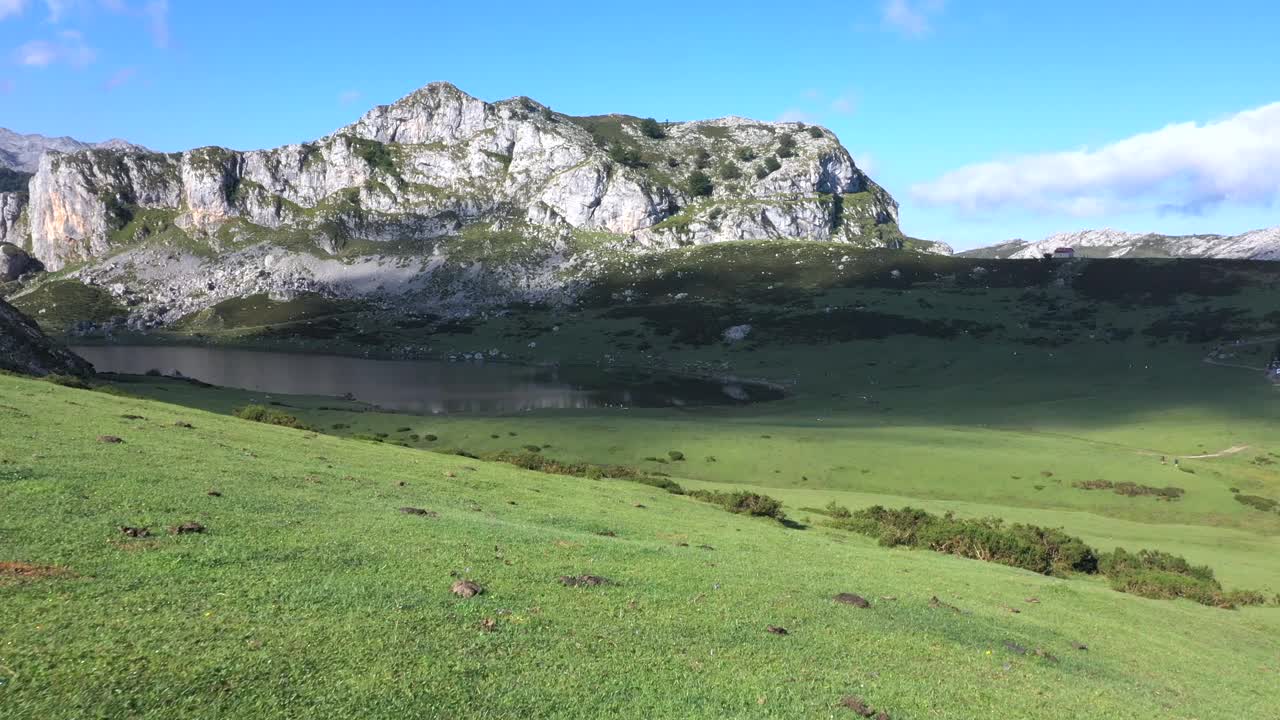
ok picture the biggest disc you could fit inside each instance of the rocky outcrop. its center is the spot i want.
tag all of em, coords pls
(13, 219)
(1255, 245)
(439, 160)
(24, 349)
(15, 262)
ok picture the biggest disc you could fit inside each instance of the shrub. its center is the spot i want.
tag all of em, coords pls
(772, 165)
(745, 154)
(815, 132)
(837, 511)
(699, 185)
(743, 503)
(627, 156)
(1257, 502)
(71, 381)
(1044, 550)
(533, 448)
(264, 414)
(675, 455)
(340, 426)
(729, 171)
(761, 173)
(702, 159)
(651, 129)
(786, 141)
(667, 484)
(785, 152)
(1132, 489)
(430, 438)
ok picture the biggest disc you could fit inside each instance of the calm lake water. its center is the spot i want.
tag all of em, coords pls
(426, 386)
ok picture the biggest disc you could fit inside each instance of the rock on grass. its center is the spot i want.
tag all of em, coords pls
(584, 580)
(466, 589)
(851, 599)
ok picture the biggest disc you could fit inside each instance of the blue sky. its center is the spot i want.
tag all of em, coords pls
(986, 120)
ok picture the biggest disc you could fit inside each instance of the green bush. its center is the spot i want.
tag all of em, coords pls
(663, 483)
(1257, 502)
(771, 165)
(815, 132)
(743, 503)
(627, 156)
(702, 159)
(264, 414)
(651, 129)
(675, 455)
(837, 511)
(745, 154)
(785, 152)
(699, 185)
(71, 381)
(729, 171)
(1044, 550)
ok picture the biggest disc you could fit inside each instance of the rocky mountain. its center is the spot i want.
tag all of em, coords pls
(25, 349)
(21, 153)
(1254, 245)
(439, 196)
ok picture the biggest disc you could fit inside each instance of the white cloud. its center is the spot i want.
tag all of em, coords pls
(58, 9)
(1184, 168)
(70, 48)
(346, 97)
(11, 7)
(791, 115)
(157, 14)
(865, 162)
(120, 77)
(911, 17)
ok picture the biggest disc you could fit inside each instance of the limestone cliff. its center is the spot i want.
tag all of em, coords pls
(438, 160)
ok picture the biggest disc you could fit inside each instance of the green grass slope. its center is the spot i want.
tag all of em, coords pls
(310, 595)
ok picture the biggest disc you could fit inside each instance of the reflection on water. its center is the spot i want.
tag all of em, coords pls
(425, 386)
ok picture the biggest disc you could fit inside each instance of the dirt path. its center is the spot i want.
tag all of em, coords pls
(1221, 453)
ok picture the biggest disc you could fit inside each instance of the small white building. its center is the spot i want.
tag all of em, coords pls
(1064, 253)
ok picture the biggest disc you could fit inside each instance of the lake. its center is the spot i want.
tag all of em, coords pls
(427, 387)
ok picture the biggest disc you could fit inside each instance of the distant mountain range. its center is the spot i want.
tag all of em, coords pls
(21, 153)
(1254, 245)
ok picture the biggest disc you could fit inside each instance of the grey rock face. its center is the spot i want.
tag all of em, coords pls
(13, 218)
(24, 349)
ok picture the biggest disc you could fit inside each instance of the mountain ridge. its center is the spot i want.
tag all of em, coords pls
(21, 152)
(441, 197)
(1261, 244)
